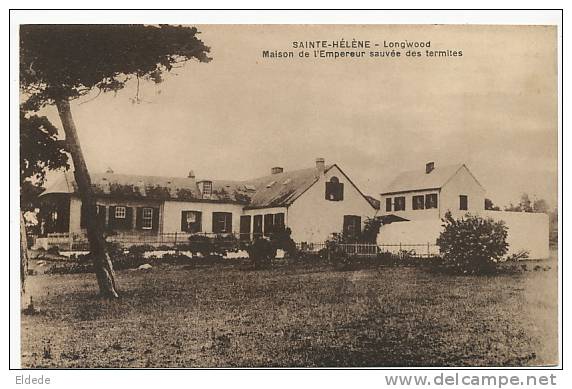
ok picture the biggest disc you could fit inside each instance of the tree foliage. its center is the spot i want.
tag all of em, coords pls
(526, 204)
(490, 206)
(59, 63)
(40, 149)
(68, 61)
(371, 230)
(472, 244)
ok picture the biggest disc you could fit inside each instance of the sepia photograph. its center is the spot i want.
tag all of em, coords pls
(199, 195)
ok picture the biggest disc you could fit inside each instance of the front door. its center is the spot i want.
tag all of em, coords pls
(352, 226)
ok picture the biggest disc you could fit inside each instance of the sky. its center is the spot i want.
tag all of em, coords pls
(494, 108)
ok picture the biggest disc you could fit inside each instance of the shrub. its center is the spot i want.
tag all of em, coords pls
(370, 230)
(200, 244)
(335, 253)
(283, 240)
(139, 250)
(261, 252)
(472, 245)
(218, 245)
(54, 250)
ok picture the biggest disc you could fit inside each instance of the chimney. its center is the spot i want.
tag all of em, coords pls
(429, 166)
(320, 165)
(191, 174)
(276, 170)
(109, 170)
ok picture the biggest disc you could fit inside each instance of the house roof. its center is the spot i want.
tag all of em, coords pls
(415, 180)
(134, 186)
(375, 203)
(276, 190)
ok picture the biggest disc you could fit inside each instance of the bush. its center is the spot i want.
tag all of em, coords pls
(282, 240)
(335, 253)
(261, 252)
(218, 245)
(370, 230)
(472, 245)
(200, 244)
(138, 250)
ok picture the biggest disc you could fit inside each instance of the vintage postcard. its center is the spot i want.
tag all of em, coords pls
(288, 195)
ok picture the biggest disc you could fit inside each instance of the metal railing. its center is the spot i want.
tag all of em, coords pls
(421, 250)
(79, 242)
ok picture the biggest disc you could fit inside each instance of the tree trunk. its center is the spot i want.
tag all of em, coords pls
(101, 261)
(23, 253)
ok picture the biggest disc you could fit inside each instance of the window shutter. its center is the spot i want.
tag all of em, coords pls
(216, 223)
(101, 210)
(112, 221)
(347, 222)
(155, 226)
(340, 196)
(184, 225)
(329, 190)
(257, 227)
(388, 204)
(128, 218)
(279, 222)
(357, 221)
(228, 222)
(268, 223)
(138, 218)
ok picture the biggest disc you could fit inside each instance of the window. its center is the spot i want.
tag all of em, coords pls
(191, 221)
(257, 227)
(388, 204)
(268, 224)
(120, 212)
(207, 189)
(147, 219)
(419, 202)
(245, 221)
(222, 222)
(463, 202)
(352, 226)
(431, 201)
(334, 190)
(399, 203)
(279, 224)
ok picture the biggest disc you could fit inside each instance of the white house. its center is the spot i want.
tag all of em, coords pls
(414, 203)
(313, 202)
(429, 193)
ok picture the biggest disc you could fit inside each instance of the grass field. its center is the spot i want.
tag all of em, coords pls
(293, 315)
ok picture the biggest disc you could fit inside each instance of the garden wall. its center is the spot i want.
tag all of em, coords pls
(526, 231)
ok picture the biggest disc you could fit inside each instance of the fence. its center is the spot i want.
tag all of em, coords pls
(78, 242)
(422, 250)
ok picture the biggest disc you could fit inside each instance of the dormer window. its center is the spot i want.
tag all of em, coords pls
(334, 189)
(206, 188)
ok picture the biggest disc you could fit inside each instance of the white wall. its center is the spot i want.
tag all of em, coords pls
(526, 231)
(462, 183)
(75, 211)
(172, 214)
(312, 218)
